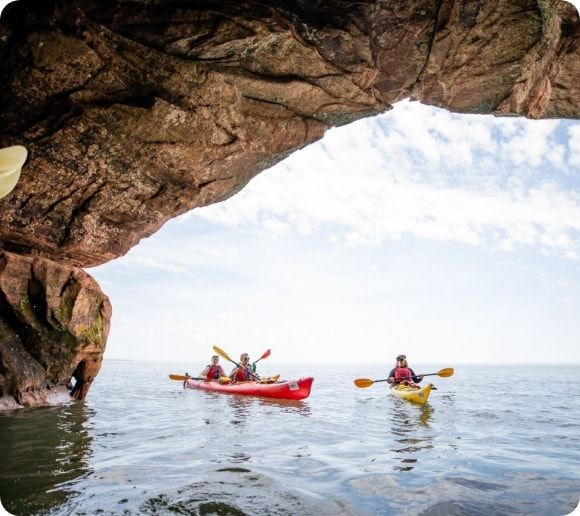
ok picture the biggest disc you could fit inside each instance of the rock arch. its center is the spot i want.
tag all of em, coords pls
(135, 112)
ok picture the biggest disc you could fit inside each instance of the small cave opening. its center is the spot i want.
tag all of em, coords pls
(75, 381)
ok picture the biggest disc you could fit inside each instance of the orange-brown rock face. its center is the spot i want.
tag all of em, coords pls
(54, 322)
(135, 112)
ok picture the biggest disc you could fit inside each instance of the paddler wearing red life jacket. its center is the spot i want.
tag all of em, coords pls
(213, 371)
(244, 372)
(402, 373)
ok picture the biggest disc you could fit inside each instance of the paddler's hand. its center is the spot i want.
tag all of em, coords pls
(390, 380)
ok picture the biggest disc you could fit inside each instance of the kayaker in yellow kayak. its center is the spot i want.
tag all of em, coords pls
(214, 370)
(243, 373)
(402, 373)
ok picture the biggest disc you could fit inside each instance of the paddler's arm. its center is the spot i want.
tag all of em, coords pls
(416, 377)
(391, 375)
(203, 374)
(253, 374)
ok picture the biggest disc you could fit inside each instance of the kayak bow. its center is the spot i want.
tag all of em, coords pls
(414, 394)
(286, 390)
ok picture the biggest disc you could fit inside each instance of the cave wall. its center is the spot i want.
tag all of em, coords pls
(137, 111)
(54, 323)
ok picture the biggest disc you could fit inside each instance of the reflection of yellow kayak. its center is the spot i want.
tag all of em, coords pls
(414, 394)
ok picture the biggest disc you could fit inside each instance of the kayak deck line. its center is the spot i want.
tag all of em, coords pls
(285, 390)
(414, 394)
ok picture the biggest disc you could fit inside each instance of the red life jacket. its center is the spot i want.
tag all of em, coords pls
(402, 373)
(242, 375)
(215, 372)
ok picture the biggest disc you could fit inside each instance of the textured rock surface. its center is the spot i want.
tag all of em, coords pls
(54, 322)
(137, 111)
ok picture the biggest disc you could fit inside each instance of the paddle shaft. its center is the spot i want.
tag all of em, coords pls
(367, 382)
(405, 377)
(223, 354)
(248, 370)
(181, 378)
(244, 368)
(443, 373)
(408, 377)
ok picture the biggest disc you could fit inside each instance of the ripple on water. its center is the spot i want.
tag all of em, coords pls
(476, 484)
(151, 447)
(238, 492)
(465, 508)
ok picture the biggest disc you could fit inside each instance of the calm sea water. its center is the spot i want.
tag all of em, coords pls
(490, 441)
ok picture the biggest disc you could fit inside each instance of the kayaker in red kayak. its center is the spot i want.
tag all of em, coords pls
(244, 372)
(402, 373)
(213, 371)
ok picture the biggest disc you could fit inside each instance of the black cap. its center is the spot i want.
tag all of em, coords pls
(404, 357)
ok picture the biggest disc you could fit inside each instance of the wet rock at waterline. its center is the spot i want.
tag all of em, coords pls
(54, 322)
(136, 112)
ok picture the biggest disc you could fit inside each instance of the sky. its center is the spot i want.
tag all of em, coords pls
(451, 238)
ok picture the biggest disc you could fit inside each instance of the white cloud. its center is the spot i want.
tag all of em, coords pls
(532, 145)
(156, 264)
(421, 171)
(276, 226)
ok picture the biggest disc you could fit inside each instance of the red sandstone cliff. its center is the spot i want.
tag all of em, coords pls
(135, 112)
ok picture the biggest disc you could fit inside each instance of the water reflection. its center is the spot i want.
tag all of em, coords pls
(40, 450)
(425, 414)
(412, 433)
(242, 407)
(295, 406)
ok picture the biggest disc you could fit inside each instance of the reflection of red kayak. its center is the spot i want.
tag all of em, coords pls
(286, 390)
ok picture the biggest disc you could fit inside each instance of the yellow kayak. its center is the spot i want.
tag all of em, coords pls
(414, 394)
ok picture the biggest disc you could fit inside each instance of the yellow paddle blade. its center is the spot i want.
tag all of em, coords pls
(363, 382)
(225, 380)
(445, 373)
(178, 377)
(222, 353)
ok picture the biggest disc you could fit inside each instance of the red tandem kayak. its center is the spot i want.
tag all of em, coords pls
(286, 390)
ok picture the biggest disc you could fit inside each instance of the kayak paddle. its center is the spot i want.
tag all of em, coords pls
(225, 356)
(367, 382)
(266, 354)
(182, 378)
